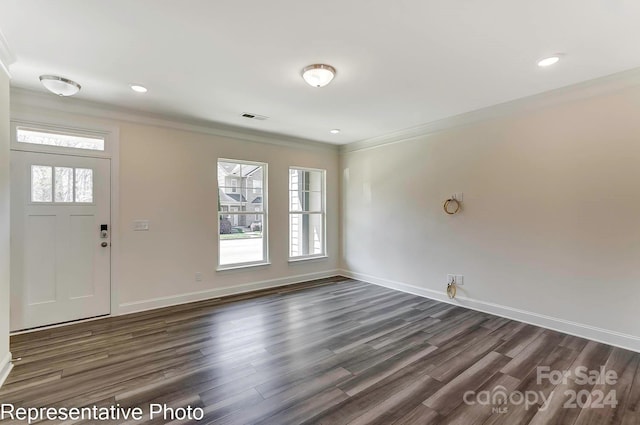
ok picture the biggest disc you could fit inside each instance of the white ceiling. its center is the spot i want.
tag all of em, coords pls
(400, 63)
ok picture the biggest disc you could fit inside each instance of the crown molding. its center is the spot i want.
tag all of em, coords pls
(584, 90)
(29, 100)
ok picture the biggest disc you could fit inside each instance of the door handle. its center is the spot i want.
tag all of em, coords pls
(104, 244)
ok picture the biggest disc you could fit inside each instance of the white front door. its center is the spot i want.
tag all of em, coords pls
(60, 258)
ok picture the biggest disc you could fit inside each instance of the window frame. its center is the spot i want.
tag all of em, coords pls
(18, 124)
(53, 201)
(323, 214)
(263, 213)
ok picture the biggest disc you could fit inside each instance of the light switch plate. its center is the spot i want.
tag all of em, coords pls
(140, 225)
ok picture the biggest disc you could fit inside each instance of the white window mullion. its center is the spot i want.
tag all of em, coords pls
(307, 218)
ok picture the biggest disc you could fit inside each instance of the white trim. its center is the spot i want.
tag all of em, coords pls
(236, 266)
(307, 258)
(598, 86)
(138, 306)
(605, 336)
(27, 99)
(6, 55)
(114, 148)
(5, 368)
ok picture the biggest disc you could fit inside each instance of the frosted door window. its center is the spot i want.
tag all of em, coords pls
(41, 183)
(61, 185)
(60, 140)
(64, 184)
(84, 185)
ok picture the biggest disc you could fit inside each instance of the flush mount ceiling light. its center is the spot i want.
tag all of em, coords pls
(59, 85)
(138, 88)
(318, 75)
(335, 131)
(551, 60)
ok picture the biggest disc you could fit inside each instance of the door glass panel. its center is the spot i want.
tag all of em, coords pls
(41, 183)
(64, 184)
(60, 140)
(84, 185)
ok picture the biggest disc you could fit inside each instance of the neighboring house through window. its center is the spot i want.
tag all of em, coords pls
(241, 213)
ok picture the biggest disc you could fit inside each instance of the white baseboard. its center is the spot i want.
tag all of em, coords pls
(138, 306)
(5, 368)
(617, 339)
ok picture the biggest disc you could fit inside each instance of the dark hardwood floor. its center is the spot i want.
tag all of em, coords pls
(333, 352)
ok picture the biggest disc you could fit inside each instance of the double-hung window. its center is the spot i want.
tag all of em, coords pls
(242, 213)
(306, 213)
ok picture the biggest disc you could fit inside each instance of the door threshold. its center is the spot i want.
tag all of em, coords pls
(58, 325)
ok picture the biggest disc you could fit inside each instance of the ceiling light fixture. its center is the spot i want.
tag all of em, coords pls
(551, 60)
(59, 85)
(335, 131)
(318, 75)
(138, 88)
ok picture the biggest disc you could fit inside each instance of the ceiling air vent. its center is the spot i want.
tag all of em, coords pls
(255, 116)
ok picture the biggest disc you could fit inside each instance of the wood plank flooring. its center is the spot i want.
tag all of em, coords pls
(335, 351)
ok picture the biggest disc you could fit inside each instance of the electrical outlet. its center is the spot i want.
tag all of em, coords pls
(451, 278)
(459, 280)
(198, 277)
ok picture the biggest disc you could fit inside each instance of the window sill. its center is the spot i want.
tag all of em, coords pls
(242, 266)
(308, 258)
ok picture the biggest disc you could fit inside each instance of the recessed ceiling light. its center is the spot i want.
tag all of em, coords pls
(138, 88)
(551, 60)
(59, 85)
(334, 131)
(318, 75)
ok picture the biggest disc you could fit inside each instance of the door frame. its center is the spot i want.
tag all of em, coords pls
(78, 124)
